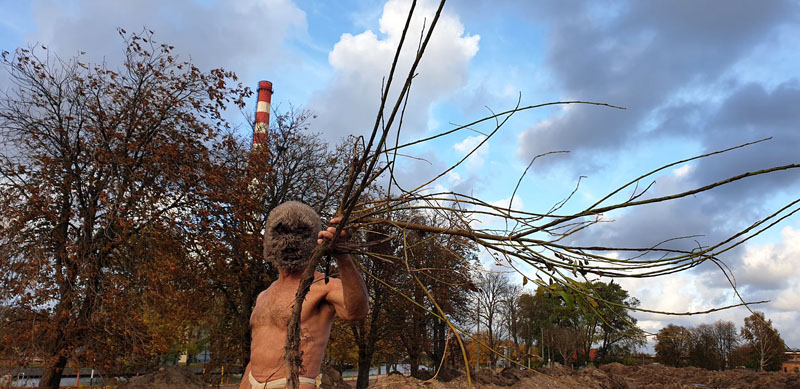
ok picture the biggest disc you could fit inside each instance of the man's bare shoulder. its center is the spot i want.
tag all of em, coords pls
(265, 293)
(332, 283)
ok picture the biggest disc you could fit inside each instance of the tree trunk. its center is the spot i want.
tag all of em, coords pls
(364, 363)
(492, 356)
(439, 340)
(413, 361)
(366, 340)
(51, 376)
(246, 309)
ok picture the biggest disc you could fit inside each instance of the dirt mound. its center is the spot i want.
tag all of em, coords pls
(165, 378)
(658, 376)
(617, 368)
(612, 376)
(331, 379)
(488, 377)
(600, 379)
(589, 377)
(402, 381)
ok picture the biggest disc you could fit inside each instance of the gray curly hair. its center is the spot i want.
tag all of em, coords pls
(290, 235)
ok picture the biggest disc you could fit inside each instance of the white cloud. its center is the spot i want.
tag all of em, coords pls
(483, 221)
(788, 299)
(771, 265)
(453, 178)
(360, 62)
(682, 171)
(243, 35)
(478, 158)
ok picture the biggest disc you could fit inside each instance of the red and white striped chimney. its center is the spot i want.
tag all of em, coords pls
(261, 127)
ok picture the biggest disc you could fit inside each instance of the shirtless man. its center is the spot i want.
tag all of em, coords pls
(292, 232)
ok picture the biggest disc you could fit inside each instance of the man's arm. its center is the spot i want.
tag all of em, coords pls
(348, 294)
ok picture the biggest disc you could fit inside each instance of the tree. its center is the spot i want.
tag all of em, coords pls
(611, 320)
(432, 272)
(766, 343)
(743, 356)
(540, 313)
(565, 340)
(491, 291)
(704, 351)
(527, 324)
(726, 339)
(673, 344)
(341, 352)
(369, 332)
(603, 318)
(511, 316)
(99, 175)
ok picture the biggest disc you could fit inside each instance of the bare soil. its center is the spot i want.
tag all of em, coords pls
(612, 376)
(173, 377)
(165, 378)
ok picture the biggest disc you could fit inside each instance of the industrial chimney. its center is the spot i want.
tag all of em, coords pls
(261, 127)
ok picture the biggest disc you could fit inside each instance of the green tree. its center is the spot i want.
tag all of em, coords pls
(610, 323)
(767, 346)
(602, 320)
(539, 313)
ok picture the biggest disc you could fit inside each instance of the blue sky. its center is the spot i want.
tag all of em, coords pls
(694, 76)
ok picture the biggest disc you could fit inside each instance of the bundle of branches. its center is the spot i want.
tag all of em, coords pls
(533, 239)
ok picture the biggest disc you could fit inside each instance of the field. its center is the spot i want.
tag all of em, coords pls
(612, 376)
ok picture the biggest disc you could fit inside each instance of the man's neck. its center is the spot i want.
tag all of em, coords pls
(292, 277)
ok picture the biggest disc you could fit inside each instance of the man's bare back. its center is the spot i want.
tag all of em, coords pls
(345, 298)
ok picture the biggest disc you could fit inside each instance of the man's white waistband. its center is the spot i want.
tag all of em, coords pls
(279, 383)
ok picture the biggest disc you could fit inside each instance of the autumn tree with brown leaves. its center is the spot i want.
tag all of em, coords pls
(673, 344)
(101, 170)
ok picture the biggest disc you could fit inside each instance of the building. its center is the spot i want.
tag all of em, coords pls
(792, 363)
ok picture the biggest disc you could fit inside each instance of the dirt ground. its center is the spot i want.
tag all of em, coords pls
(612, 376)
(181, 378)
(165, 378)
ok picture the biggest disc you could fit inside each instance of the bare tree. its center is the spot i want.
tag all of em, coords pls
(492, 292)
(511, 316)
